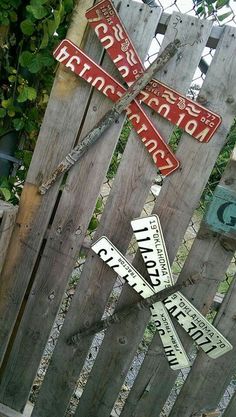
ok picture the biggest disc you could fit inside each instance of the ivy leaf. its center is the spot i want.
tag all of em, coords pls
(39, 12)
(25, 58)
(46, 58)
(35, 65)
(11, 113)
(200, 10)
(2, 113)
(12, 78)
(221, 3)
(224, 16)
(45, 39)
(13, 16)
(68, 5)
(18, 124)
(93, 224)
(5, 193)
(26, 93)
(27, 27)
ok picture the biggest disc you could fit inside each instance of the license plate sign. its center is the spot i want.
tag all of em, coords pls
(78, 62)
(187, 114)
(152, 246)
(194, 323)
(149, 236)
(173, 348)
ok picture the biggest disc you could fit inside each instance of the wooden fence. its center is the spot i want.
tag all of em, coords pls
(50, 231)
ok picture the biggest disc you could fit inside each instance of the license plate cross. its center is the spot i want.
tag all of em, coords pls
(181, 111)
(152, 246)
(187, 114)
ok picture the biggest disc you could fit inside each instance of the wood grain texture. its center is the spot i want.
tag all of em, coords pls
(208, 393)
(7, 220)
(98, 399)
(57, 135)
(175, 213)
(8, 412)
(128, 195)
(64, 241)
(210, 378)
(230, 410)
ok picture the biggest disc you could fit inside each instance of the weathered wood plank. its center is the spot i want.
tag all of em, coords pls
(98, 399)
(215, 253)
(8, 412)
(64, 240)
(7, 220)
(216, 31)
(207, 394)
(58, 132)
(210, 378)
(96, 282)
(111, 116)
(174, 206)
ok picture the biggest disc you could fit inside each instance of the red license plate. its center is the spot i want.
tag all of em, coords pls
(75, 59)
(187, 114)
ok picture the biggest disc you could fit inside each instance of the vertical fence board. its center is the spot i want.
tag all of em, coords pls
(98, 399)
(178, 198)
(7, 220)
(57, 135)
(213, 252)
(206, 372)
(49, 407)
(61, 250)
(209, 377)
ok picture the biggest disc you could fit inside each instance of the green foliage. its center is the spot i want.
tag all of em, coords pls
(94, 222)
(206, 8)
(29, 32)
(220, 165)
(119, 150)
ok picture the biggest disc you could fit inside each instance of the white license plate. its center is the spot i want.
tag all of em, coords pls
(201, 331)
(173, 348)
(151, 244)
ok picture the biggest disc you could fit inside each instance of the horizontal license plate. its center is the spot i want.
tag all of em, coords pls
(201, 331)
(173, 348)
(77, 61)
(187, 114)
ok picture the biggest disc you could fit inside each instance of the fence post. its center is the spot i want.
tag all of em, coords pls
(58, 131)
(7, 220)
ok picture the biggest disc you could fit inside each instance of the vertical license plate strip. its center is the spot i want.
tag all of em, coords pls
(150, 241)
(173, 348)
(78, 62)
(187, 114)
(157, 264)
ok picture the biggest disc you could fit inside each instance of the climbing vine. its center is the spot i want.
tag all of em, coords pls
(29, 31)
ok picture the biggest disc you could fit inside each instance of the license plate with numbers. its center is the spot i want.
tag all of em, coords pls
(201, 331)
(173, 348)
(77, 61)
(149, 236)
(187, 114)
(151, 243)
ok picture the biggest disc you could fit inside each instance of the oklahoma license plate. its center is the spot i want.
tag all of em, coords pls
(152, 247)
(173, 348)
